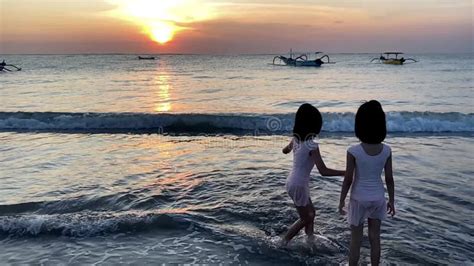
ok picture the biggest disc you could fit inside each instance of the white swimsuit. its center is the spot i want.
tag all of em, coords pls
(367, 193)
(297, 183)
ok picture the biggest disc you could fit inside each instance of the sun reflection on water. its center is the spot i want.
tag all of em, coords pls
(163, 96)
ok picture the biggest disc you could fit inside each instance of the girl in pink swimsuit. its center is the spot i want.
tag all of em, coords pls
(365, 163)
(306, 154)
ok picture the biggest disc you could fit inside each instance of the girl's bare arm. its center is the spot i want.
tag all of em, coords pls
(346, 184)
(390, 186)
(288, 147)
(322, 168)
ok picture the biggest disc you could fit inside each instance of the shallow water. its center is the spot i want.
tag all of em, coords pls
(204, 182)
(233, 84)
(90, 198)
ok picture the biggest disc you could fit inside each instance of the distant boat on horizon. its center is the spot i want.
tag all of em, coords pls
(303, 60)
(3, 67)
(394, 60)
(146, 57)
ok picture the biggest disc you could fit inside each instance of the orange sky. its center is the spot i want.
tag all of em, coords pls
(234, 26)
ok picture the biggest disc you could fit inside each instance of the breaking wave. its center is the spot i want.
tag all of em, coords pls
(401, 122)
(89, 223)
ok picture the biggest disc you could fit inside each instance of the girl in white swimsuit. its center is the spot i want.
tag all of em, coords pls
(365, 163)
(306, 154)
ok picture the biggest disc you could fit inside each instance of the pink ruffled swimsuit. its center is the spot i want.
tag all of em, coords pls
(297, 183)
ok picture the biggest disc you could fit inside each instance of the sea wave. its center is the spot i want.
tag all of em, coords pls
(401, 122)
(121, 201)
(90, 223)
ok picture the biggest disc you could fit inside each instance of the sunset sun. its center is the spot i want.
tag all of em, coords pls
(161, 20)
(161, 32)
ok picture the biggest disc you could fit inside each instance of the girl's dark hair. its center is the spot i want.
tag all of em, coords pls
(308, 122)
(370, 125)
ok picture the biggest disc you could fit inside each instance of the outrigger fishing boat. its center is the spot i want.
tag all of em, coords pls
(3, 67)
(391, 58)
(302, 60)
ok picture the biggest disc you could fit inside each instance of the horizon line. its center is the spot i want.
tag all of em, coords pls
(227, 54)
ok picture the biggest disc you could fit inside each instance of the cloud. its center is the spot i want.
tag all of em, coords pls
(161, 19)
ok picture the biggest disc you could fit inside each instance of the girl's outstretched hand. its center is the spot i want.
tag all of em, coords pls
(391, 208)
(288, 148)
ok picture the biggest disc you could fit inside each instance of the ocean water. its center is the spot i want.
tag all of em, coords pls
(107, 159)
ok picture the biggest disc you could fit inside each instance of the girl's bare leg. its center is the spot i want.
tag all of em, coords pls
(304, 213)
(356, 239)
(374, 238)
(293, 230)
(309, 227)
